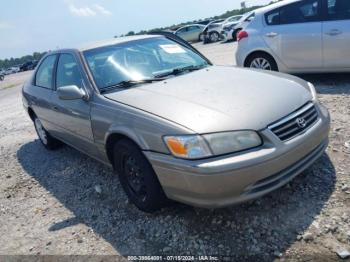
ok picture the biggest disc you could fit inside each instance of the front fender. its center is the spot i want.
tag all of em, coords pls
(129, 133)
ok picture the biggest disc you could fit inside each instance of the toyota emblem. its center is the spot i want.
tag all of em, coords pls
(301, 122)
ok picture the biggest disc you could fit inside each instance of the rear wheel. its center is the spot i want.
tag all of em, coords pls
(137, 177)
(261, 61)
(214, 37)
(45, 138)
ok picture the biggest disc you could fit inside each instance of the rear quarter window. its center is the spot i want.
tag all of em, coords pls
(338, 9)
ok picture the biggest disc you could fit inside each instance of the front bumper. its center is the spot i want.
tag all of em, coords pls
(225, 35)
(227, 180)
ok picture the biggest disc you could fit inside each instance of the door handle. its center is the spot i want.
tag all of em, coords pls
(271, 34)
(334, 32)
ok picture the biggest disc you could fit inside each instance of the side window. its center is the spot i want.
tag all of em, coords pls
(68, 71)
(273, 17)
(44, 76)
(192, 28)
(300, 12)
(338, 9)
(183, 30)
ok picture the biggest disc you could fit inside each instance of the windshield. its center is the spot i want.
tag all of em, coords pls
(139, 60)
(247, 16)
(232, 19)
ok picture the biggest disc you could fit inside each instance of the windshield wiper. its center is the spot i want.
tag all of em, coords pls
(180, 70)
(130, 83)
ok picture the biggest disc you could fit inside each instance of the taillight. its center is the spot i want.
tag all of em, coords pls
(241, 35)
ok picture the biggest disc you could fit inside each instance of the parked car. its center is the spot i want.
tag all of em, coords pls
(30, 65)
(230, 31)
(11, 70)
(172, 125)
(298, 37)
(212, 31)
(15, 69)
(191, 33)
(231, 19)
(204, 22)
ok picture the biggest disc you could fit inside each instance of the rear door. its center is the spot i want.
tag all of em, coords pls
(193, 33)
(41, 92)
(336, 34)
(183, 33)
(294, 33)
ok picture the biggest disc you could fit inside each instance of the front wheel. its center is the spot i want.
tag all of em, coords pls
(234, 34)
(137, 177)
(2, 77)
(261, 61)
(201, 38)
(45, 138)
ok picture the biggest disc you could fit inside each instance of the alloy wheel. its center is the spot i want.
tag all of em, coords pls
(214, 37)
(41, 131)
(261, 63)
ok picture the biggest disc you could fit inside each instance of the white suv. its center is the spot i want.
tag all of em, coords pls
(298, 36)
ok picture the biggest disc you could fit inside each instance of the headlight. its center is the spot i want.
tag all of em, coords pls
(195, 146)
(228, 28)
(191, 147)
(228, 142)
(312, 90)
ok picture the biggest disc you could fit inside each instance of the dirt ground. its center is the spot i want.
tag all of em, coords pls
(49, 204)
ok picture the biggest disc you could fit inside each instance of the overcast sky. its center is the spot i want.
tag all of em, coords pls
(40, 25)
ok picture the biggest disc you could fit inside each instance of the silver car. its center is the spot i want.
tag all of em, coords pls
(191, 33)
(174, 126)
(298, 36)
(231, 30)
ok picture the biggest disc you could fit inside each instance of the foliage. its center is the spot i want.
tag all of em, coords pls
(174, 27)
(6, 63)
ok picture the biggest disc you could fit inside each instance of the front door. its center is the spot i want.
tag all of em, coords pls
(336, 34)
(72, 116)
(294, 33)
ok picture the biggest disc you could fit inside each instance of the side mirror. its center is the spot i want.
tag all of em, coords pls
(70, 92)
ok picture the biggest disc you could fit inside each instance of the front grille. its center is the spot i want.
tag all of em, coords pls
(295, 123)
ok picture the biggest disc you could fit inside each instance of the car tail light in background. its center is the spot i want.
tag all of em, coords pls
(241, 35)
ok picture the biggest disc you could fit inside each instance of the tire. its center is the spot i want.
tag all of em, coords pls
(45, 138)
(1, 77)
(137, 177)
(261, 60)
(201, 38)
(214, 37)
(234, 34)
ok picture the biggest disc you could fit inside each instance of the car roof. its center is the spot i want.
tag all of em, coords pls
(274, 6)
(233, 16)
(114, 41)
(192, 25)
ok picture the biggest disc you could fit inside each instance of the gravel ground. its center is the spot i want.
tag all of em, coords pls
(49, 203)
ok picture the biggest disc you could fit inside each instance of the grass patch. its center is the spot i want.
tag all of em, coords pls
(9, 86)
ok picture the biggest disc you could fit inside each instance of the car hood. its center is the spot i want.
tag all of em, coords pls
(230, 24)
(219, 98)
